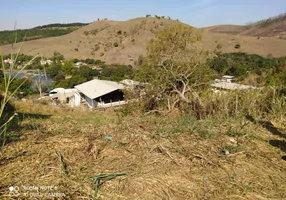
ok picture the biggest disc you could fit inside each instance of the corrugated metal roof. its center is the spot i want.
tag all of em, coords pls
(97, 88)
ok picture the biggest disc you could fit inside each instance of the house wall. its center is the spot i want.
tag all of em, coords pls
(90, 102)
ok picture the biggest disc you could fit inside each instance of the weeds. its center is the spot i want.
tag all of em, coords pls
(63, 163)
(102, 177)
(5, 118)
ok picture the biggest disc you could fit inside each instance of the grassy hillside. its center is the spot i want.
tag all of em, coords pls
(50, 30)
(124, 41)
(271, 27)
(171, 157)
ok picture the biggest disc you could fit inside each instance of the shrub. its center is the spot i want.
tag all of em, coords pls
(237, 46)
(219, 46)
(101, 53)
(115, 44)
(76, 49)
(119, 32)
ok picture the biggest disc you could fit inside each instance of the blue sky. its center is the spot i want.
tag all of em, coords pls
(198, 13)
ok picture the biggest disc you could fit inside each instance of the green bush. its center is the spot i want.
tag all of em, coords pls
(115, 44)
(237, 46)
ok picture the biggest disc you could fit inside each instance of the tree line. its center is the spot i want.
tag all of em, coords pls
(61, 25)
(9, 37)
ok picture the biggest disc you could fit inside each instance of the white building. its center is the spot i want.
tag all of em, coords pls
(101, 93)
(69, 96)
(44, 62)
(8, 60)
(226, 83)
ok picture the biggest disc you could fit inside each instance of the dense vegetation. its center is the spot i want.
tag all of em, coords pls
(57, 25)
(116, 72)
(8, 37)
(242, 65)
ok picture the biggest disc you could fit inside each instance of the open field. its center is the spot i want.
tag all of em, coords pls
(98, 40)
(164, 157)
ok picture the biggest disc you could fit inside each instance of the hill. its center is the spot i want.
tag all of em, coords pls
(124, 41)
(50, 30)
(271, 27)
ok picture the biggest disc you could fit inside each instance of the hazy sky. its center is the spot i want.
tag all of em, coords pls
(199, 13)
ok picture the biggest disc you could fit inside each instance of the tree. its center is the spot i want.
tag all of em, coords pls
(58, 57)
(174, 68)
(54, 69)
(23, 84)
(59, 77)
(68, 68)
(87, 73)
(70, 83)
(116, 72)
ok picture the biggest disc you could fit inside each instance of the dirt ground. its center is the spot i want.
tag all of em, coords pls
(59, 150)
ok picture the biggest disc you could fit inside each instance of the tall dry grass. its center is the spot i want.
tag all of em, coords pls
(7, 113)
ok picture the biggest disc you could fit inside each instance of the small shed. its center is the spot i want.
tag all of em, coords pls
(101, 93)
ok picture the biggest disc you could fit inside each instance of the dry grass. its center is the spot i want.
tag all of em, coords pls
(168, 157)
(91, 40)
(273, 27)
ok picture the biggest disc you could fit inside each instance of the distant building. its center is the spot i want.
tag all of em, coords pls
(78, 64)
(69, 96)
(44, 62)
(225, 83)
(101, 93)
(227, 78)
(8, 60)
(132, 84)
(96, 68)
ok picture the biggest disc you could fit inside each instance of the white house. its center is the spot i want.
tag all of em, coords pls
(69, 96)
(226, 83)
(43, 62)
(101, 93)
(78, 64)
(8, 60)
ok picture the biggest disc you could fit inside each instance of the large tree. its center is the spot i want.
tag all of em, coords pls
(174, 67)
